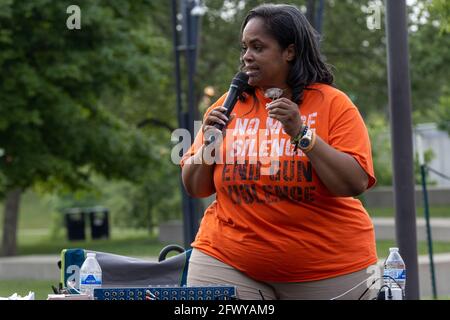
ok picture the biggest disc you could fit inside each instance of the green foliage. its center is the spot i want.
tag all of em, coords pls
(357, 54)
(442, 116)
(381, 148)
(147, 204)
(428, 156)
(71, 102)
(54, 126)
(41, 288)
(441, 8)
(430, 60)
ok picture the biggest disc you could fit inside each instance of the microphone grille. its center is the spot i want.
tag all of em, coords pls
(240, 79)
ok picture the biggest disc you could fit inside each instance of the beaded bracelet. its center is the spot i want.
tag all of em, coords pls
(303, 130)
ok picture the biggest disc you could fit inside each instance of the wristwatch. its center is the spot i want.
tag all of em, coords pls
(307, 141)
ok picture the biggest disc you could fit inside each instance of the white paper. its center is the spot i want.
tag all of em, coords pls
(15, 296)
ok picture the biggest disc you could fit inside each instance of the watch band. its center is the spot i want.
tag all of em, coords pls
(295, 140)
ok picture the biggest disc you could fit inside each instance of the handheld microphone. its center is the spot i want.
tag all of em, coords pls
(237, 87)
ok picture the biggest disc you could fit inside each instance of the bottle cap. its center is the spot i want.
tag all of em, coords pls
(394, 249)
(91, 254)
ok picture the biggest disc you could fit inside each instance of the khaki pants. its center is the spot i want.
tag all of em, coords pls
(205, 270)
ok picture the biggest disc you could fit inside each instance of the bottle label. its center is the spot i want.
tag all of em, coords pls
(90, 279)
(397, 274)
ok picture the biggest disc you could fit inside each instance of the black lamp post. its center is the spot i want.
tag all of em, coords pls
(315, 14)
(401, 136)
(186, 15)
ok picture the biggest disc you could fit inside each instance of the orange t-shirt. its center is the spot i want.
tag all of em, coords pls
(273, 219)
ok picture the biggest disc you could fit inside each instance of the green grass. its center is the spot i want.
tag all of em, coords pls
(41, 288)
(435, 212)
(36, 222)
(422, 247)
(139, 244)
(35, 211)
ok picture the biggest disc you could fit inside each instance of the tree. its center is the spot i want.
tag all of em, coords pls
(441, 9)
(54, 124)
(430, 59)
(442, 116)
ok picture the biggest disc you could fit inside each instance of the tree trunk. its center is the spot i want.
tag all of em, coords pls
(9, 244)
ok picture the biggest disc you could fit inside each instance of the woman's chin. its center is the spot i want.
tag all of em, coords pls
(253, 81)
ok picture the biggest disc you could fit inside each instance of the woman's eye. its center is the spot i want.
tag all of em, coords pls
(253, 48)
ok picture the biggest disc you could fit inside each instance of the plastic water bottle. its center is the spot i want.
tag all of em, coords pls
(90, 275)
(395, 269)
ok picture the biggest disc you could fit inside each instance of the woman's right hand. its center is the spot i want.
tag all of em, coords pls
(198, 174)
(216, 116)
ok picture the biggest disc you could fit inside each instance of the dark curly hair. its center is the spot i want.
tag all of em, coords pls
(289, 26)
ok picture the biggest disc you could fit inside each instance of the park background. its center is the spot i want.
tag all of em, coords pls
(86, 115)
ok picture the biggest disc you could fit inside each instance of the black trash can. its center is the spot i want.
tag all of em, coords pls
(75, 223)
(99, 220)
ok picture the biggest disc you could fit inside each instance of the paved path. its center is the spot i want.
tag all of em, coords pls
(42, 267)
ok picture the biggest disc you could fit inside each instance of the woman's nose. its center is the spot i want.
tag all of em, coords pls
(247, 56)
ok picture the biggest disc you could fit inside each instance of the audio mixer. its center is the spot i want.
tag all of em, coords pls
(166, 293)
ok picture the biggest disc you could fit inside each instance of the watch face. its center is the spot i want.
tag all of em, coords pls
(304, 143)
